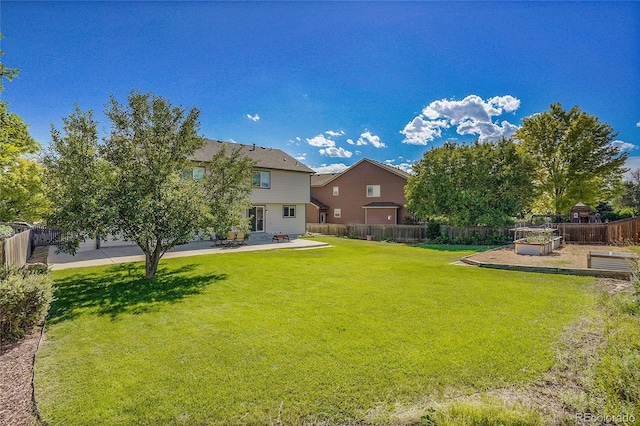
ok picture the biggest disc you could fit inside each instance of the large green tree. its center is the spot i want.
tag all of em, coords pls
(227, 187)
(574, 158)
(76, 179)
(468, 185)
(21, 189)
(132, 186)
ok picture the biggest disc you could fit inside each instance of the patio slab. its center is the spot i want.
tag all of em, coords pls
(130, 253)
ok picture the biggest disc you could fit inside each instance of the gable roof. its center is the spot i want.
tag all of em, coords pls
(319, 203)
(265, 158)
(320, 180)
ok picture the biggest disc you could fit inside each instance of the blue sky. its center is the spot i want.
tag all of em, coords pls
(331, 83)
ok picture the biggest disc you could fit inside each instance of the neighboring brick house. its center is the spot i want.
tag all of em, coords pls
(368, 192)
(281, 187)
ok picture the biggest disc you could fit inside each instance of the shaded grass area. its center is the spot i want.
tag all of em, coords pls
(343, 334)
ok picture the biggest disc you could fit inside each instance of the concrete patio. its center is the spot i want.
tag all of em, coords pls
(112, 254)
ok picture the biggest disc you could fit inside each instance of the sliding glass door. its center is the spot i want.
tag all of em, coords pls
(257, 218)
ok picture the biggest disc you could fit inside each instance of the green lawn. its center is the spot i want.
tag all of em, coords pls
(354, 332)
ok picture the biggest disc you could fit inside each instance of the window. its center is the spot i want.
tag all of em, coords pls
(261, 179)
(288, 211)
(337, 213)
(336, 190)
(373, 190)
(196, 173)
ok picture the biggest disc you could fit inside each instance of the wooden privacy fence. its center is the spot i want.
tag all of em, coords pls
(15, 251)
(402, 233)
(625, 231)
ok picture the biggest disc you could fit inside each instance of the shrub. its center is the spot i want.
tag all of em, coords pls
(5, 232)
(433, 230)
(24, 300)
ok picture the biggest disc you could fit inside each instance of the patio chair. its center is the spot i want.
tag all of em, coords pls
(231, 237)
(241, 238)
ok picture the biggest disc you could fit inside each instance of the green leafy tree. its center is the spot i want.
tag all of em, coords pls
(5, 72)
(148, 148)
(630, 196)
(227, 188)
(21, 188)
(573, 156)
(468, 185)
(76, 178)
(22, 192)
(132, 185)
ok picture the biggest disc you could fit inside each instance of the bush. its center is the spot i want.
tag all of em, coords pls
(433, 230)
(5, 232)
(25, 297)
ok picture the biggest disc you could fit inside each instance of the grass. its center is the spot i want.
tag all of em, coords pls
(338, 335)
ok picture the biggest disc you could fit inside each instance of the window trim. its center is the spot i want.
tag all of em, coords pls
(290, 207)
(373, 195)
(337, 213)
(261, 182)
(336, 190)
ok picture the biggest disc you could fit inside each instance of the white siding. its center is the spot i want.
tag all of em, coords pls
(276, 224)
(286, 188)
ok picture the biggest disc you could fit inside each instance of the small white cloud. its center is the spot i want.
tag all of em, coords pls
(350, 141)
(333, 133)
(253, 117)
(301, 157)
(405, 165)
(638, 124)
(321, 141)
(623, 146)
(367, 138)
(470, 116)
(331, 168)
(336, 152)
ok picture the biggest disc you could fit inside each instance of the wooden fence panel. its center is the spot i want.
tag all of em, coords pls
(621, 231)
(17, 249)
(327, 229)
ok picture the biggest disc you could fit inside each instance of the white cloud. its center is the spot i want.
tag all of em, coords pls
(470, 116)
(367, 138)
(638, 124)
(321, 141)
(623, 146)
(253, 117)
(333, 133)
(301, 157)
(336, 152)
(406, 166)
(331, 168)
(350, 141)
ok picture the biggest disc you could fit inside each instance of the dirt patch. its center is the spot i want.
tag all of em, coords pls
(39, 255)
(568, 256)
(16, 361)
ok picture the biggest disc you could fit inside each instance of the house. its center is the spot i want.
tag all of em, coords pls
(368, 192)
(281, 187)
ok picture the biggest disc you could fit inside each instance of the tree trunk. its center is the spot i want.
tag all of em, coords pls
(151, 264)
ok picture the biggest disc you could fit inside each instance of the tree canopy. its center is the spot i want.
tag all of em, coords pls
(469, 185)
(132, 186)
(21, 188)
(228, 188)
(574, 158)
